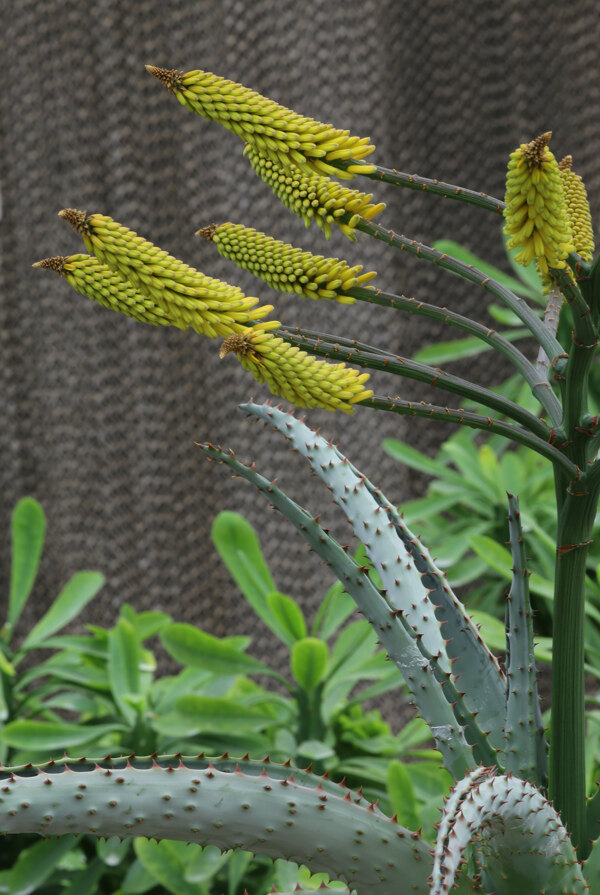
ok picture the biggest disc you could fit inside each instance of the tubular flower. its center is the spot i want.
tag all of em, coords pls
(578, 209)
(536, 213)
(277, 132)
(314, 197)
(189, 298)
(90, 277)
(293, 374)
(285, 267)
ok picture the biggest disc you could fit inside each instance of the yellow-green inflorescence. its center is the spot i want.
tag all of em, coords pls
(284, 266)
(536, 212)
(314, 197)
(189, 297)
(279, 133)
(295, 375)
(578, 209)
(90, 277)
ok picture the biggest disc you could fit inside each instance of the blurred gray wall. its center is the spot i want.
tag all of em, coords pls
(98, 414)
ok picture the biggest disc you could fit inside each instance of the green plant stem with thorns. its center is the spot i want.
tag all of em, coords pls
(517, 820)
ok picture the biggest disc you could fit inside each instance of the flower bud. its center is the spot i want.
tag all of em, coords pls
(313, 196)
(275, 131)
(188, 297)
(536, 213)
(293, 374)
(285, 267)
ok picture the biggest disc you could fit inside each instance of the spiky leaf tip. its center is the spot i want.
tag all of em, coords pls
(578, 209)
(536, 212)
(292, 373)
(314, 197)
(91, 278)
(284, 266)
(188, 297)
(279, 133)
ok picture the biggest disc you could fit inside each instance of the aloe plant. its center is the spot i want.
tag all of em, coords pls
(517, 819)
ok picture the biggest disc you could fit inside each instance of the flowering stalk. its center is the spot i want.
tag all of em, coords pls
(578, 209)
(285, 267)
(293, 374)
(284, 136)
(314, 197)
(189, 298)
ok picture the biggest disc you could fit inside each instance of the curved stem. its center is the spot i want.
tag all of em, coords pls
(535, 380)
(549, 343)
(474, 421)
(363, 355)
(424, 184)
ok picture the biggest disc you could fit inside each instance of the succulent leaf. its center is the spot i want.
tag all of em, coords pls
(526, 747)
(277, 132)
(428, 684)
(522, 846)
(284, 266)
(232, 805)
(402, 585)
(314, 197)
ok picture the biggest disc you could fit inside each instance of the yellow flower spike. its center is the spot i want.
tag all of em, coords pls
(578, 209)
(280, 133)
(314, 197)
(295, 375)
(190, 298)
(536, 213)
(98, 282)
(284, 266)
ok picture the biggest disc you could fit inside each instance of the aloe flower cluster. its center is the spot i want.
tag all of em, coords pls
(295, 375)
(284, 266)
(578, 209)
(313, 197)
(280, 134)
(536, 215)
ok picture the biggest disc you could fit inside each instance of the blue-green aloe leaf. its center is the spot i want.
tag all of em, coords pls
(412, 584)
(241, 806)
(522, 846)
(431, 688)
(526, 747)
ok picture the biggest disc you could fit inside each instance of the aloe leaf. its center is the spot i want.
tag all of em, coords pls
(410, 578)
(526, 747)
(522, 846)
(419, 669)
(251, 805)
(74, 597)
(28, 532)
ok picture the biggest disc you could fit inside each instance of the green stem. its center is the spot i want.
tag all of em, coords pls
(425, 185)
(567, 764)
(549, 343)
(474, 421)
(535, 379)
(363, 355)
